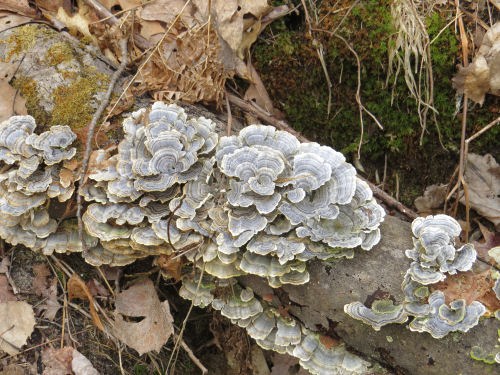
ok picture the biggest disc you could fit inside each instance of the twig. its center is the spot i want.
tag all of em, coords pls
(175, 351)
(193, 357)
(42, 344)
(88, 148)
(282, 125)
(461, 165)
(229, 115)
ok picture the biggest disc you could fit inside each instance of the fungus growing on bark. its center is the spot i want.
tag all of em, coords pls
(433, 255)
(257, 203)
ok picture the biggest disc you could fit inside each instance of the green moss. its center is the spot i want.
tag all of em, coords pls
(28, 89)
(23, 39)
(72, 103)
(288, 63)
(60, 52)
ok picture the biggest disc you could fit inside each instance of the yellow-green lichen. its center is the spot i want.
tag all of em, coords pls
(60, 52)
(29, 91)
(72, 103)
(23, 39)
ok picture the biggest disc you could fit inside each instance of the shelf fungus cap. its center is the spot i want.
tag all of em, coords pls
(383, 312)
(235, 308)
(262, 324)
(336, 360)
(442, 319)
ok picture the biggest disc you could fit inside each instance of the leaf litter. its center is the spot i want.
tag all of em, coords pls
(141, 301)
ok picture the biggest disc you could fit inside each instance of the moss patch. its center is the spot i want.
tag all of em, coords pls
(60, 52)
(72, 103)
(23, 39)
(28, 89)
(287, 60)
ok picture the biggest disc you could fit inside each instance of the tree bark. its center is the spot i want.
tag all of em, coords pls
(318, 304)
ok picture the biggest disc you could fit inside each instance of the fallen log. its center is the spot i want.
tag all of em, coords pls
(319, 305)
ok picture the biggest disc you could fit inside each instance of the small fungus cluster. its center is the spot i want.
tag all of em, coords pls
(433, 254)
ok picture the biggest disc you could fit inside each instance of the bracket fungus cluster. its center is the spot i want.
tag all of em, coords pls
(258, 203)
(433, 254)
(270, 329)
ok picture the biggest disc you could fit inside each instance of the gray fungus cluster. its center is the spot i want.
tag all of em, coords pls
(434, 254)
(259, 203)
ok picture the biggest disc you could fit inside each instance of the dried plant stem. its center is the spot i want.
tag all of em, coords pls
(463, 158)
(175, 351)
(195, 360)
(88, 148)
(282, 125)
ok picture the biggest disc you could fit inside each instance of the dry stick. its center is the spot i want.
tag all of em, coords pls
(42, 344)
(461, 180)
(229, 115)
(175, 351)
(193, 357)
(319, 51)
(282, 125)
(88, 148)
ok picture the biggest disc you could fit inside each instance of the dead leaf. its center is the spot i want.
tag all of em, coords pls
(483, 186)
(151, 333)
(57, 361)
(9, 94)
(491, 240)
(482, 75)
(78, 289)
(18, 6)
(170, 264)
(12, 369)
(284, 364)
(4, 265)
(50, 5)
(470, 286)
(9, 20)
(432, 199)
(47, 288)
(17, 321)
(96, 288)
(81, 365)
(5, 290)
(328, 342)
(167, 10)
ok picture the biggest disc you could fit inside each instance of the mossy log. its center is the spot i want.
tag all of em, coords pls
(65, 87)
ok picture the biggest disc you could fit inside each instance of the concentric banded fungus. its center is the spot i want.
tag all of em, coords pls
(434, 254)
(443, 319)
(259, 202)
(382, 312)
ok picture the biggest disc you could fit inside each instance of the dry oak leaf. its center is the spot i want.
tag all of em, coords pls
(433, 198)
(11, 103)
(17, 321)
(47, 288)
(491, 242)
(284, 364)
(152, 332)
(78, 289)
